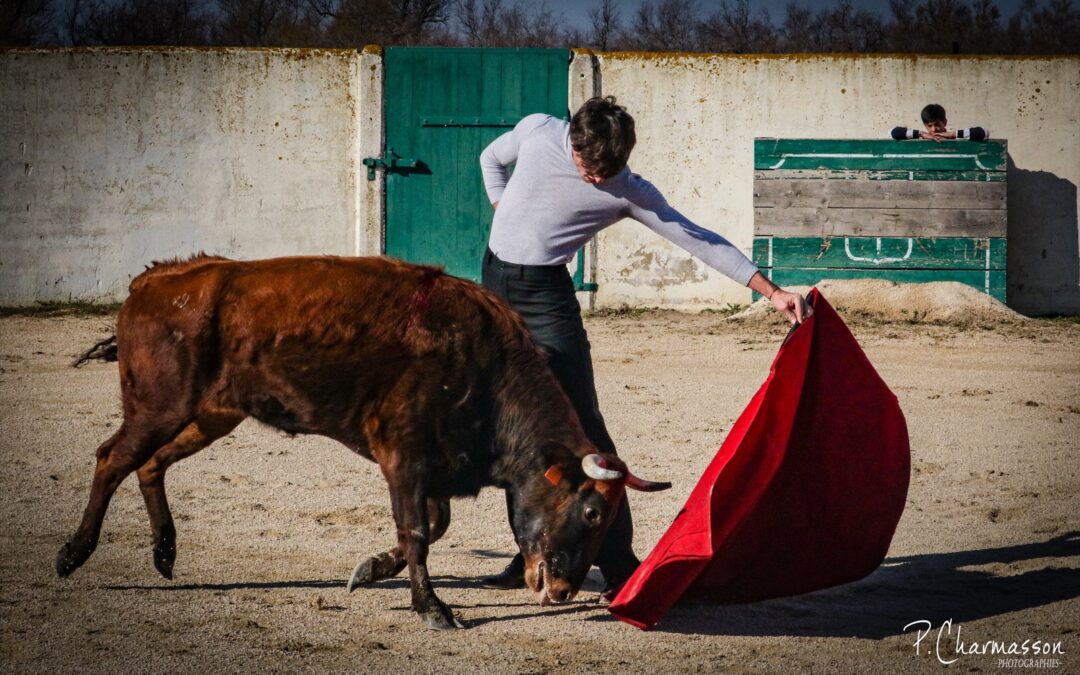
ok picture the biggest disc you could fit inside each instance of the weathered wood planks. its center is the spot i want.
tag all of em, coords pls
(838, 222)
(902, 210)
(874, 194)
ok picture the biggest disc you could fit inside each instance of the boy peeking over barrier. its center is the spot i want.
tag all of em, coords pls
(933, 117)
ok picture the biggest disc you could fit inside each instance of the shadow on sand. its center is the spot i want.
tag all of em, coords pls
(397, 582)
(962, 586)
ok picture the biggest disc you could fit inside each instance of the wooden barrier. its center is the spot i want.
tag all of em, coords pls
(907, 211)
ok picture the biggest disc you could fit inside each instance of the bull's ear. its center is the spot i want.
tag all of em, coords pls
(553, 474)
(556, 458)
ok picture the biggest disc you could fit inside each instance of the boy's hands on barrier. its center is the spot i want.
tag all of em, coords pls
(939, 136)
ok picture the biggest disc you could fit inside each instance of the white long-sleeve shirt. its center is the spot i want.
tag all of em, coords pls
(547, 211)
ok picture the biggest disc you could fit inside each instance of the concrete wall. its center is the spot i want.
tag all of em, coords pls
(697, 116)
(110, 158)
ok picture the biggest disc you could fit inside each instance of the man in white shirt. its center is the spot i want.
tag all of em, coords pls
(570, 181)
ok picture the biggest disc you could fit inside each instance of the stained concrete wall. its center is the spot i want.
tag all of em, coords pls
(697, 116)
(111, 158)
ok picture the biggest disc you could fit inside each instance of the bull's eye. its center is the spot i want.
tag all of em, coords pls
(592, 515)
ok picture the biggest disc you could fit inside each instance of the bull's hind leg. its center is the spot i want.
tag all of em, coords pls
(127, 450)
(210, 425)
(390, 563)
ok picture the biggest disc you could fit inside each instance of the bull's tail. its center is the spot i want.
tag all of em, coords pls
(102, 351)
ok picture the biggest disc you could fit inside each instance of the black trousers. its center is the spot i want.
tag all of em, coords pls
(544, 296)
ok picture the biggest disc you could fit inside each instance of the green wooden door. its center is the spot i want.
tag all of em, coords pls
(443, 106)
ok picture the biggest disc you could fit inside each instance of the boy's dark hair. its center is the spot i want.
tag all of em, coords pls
(933, 113)
(602, 134)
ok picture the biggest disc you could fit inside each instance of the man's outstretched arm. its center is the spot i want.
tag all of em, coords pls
(648, 206)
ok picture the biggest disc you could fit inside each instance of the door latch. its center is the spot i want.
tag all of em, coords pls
(391, 162)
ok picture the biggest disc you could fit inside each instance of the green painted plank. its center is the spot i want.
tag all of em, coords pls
(991, 282)
(826, 222)
(848, 174)
(880, 253)
(806, 153)
(866, 194)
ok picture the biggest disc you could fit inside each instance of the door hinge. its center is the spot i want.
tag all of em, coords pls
(391, 162)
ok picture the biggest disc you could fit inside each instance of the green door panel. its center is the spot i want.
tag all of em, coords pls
(443, 106)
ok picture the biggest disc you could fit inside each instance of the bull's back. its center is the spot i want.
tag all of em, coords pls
(316, 344)
(321, 303)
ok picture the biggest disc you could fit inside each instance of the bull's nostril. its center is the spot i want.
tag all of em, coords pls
(562, 595)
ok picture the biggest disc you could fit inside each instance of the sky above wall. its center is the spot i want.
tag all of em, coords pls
(576, 12)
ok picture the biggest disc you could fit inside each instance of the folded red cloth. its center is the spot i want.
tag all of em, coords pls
(805, 492)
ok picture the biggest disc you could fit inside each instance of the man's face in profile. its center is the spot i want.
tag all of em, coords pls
(587, 174)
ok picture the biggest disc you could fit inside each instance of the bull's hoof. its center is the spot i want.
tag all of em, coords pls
(441, 618)
(164, 557)
(375, 569)
(71, 558)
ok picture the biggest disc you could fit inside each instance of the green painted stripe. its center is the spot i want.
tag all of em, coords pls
(800, 153)
(974, 278)
(845, 174)
(881, 253)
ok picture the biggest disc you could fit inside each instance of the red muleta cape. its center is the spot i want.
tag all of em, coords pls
(805, 493)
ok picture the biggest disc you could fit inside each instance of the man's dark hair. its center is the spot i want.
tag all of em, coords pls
(602, 134)
(933, 113)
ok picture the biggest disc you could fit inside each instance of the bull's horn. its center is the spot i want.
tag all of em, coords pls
(593, 466)
(643, 485)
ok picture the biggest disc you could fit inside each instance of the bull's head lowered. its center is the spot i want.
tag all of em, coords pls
(563, 516)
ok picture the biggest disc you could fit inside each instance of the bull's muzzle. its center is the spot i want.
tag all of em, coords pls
(548, 589)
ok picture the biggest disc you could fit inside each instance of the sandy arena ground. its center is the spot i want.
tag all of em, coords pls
(271, 526)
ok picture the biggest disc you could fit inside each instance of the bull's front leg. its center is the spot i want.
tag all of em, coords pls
(390, 563)
(410, 514)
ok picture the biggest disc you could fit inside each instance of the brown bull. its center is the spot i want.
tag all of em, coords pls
(428, 375)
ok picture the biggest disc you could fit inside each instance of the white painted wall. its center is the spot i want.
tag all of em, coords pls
(697, 116)
(111, 158)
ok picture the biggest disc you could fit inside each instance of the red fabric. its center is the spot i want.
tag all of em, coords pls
(805, 493)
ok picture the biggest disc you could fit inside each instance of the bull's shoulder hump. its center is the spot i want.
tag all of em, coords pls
(175, 266)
